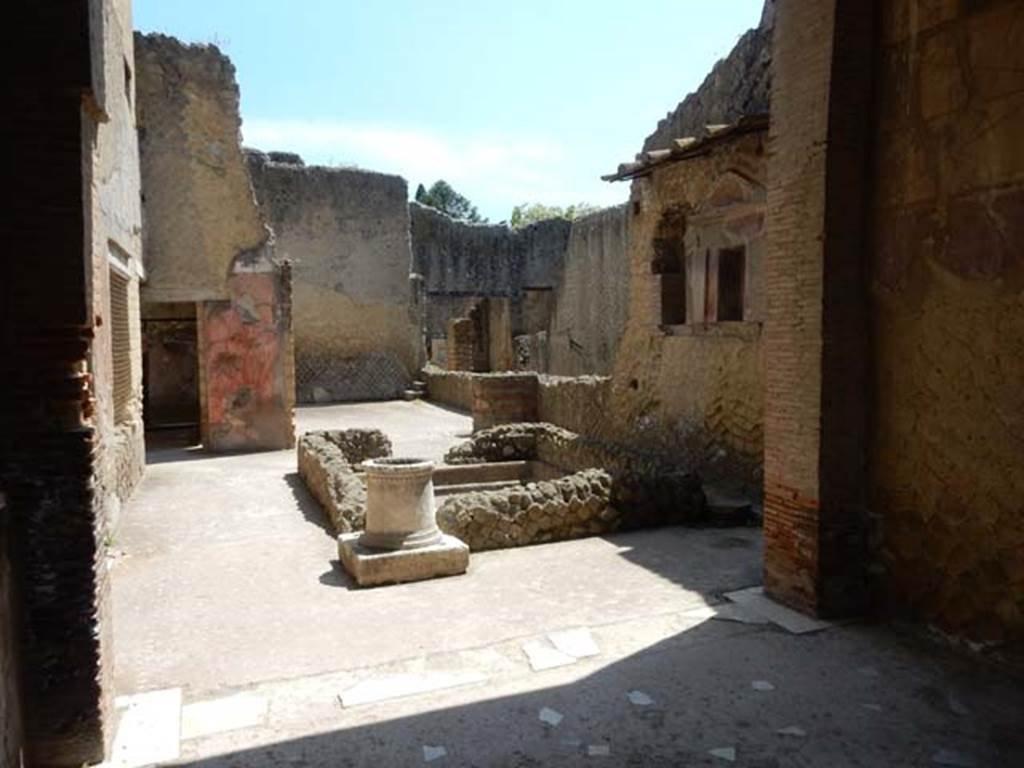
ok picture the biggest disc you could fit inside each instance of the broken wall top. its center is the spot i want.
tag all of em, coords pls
(200, 213)
(737, 86)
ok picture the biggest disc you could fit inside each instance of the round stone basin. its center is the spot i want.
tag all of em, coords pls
(400, 508)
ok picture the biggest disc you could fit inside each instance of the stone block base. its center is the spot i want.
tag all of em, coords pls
(370, 567)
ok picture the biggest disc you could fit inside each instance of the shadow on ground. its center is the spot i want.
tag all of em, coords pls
(861, 696)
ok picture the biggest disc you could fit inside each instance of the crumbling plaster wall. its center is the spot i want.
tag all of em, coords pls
(116, 234)
(946, 464)
(207, 242)
(693, 390)
(199, 209)
(356, 311)
(460, 262)
(245, 363)
(591, 300)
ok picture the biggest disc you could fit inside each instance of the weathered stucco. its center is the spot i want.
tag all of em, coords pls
(197, 195)
(694, 389)
(245, 363)
(591, 300)
(207, 242)
(946, 463)
(356, 316)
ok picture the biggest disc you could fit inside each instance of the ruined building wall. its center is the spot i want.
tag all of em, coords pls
(71, 436)
(947, 315)
(738, 85)
(355, 309)
(207, 243)
(591, 300)
(199, 210)
(460, 262)
(683, 382)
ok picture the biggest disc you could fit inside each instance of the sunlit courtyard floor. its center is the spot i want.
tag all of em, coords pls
(231, 613)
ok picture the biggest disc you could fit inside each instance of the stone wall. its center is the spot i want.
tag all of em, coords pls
(591, 301)
(460, 262)
(452, 388)
(356, 312)
(550, 510)
(207, 243)
(69, 451)
(738, 85)
(685, 381)
(576, 403)
(504, 398)
(327, 462)
(946, 303)
(199, 206)
(646, 488)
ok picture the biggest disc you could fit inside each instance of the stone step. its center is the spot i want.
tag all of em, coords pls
(412, 394)
(489, 472)
(454, 490)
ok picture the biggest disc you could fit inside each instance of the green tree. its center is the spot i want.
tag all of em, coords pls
(530, 213)
(445, 199)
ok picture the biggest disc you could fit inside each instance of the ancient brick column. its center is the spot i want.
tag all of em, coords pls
(816, 331)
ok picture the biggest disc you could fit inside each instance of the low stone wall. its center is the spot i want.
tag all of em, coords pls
(504, 399)
(577, 403)
(452, 388)
(647, 489)
(565, 508)
(327, 465)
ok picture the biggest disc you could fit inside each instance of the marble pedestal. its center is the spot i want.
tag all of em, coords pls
(402, 541)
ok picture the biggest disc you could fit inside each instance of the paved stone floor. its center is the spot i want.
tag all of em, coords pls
(230, 608)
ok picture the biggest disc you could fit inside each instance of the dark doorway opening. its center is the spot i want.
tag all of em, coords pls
(170, 373)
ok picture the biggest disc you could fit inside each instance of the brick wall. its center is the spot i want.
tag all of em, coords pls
(58, 451)
(684, 387)
(815, 333)
(504, 399)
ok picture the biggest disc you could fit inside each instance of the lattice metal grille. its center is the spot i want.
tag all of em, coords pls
(121, 345)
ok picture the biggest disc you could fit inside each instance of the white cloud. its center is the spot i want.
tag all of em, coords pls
(495, 172)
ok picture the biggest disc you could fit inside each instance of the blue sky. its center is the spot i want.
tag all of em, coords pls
(511, 102)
